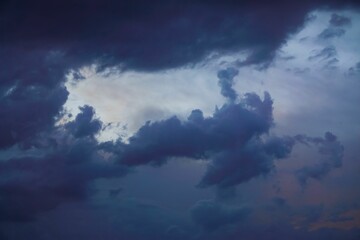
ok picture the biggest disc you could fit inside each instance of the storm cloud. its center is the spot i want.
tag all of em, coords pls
(43, 41)
(56, 160)
(60, 171)
(235, 140)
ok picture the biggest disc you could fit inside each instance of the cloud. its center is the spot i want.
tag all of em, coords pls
(324, 54)
(156, 35)
(331, 33)
(226, 81)
(44, 41)
(197, 137)
(334, 30)
(84, 124)
(62, 171)
(337, 20)
(354, 70)
(234, 140)
(332, 151)
(165, 35)
(211, 215)
(240, 164)
(28, 110)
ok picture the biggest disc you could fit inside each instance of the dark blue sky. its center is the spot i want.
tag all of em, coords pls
(179, 120)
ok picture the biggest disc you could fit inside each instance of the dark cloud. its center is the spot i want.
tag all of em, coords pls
(234, 139)
(63, 171)
(211, 215)
(85, 124)
(157, 35)
(332, 151)
(337, 20)
(27, 110)
(144, 35)
(198, 137)
(43, 41)
(240, 164)
(31, 91)
(226, 81)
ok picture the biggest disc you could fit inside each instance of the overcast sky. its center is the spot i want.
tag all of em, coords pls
(179, 120)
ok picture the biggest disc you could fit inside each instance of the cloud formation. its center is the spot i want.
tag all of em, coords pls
(44, 41)
(62, 170)
(235, 142)
(230, 139)
(153, 36)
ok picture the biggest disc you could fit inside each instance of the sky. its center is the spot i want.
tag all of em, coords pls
(134, 120)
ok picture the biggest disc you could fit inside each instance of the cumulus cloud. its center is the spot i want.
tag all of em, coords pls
(235, 142)
(244, 162)
(230, 139)
(198, 137)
